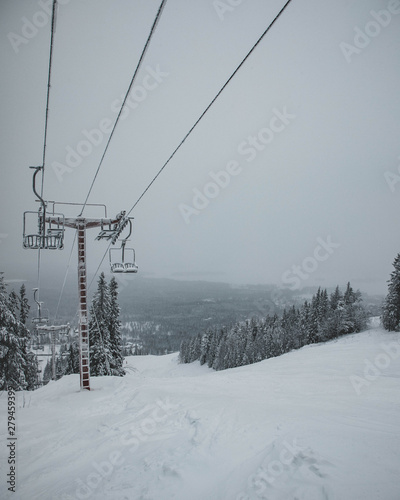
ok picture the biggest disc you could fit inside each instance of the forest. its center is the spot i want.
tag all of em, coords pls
(323, 318)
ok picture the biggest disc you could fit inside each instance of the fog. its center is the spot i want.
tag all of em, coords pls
(290, 178)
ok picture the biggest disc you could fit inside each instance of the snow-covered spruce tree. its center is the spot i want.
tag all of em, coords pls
(391, 306)
(99, 335)
(183, 352)
(355, 316)
(336, 316)
(47, 373)
(114, 328)
(314, 319)
(221, 350)
(194, 348)
(24, 305)
(17, 367)
(72, 359)
(304, 324)
(205, 344)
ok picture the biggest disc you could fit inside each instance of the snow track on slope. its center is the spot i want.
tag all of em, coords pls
(288, 428)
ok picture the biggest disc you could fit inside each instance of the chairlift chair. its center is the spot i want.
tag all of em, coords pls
(123, 260)
(41, 231)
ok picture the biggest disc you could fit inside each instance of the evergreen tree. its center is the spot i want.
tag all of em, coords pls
(336, 317)
(205, 344)
(215, 340)
(218, 363)
(99, 335)
(13, 304)
(114, 328)
(336, 299)
(391, 306)
(23, 305)
(32, 371)
(304, 324)
(16, 365)
(314, 319)
(72, 359)
(47, 373)
(355, 318)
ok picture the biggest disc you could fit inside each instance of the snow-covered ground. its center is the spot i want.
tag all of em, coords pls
(319, 423)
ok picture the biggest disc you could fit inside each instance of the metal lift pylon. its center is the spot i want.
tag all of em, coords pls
(49, 235)
(110, 230)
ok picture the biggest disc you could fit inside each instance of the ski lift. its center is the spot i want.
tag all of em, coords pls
(39, 230)
(123, 260)
(43, 315)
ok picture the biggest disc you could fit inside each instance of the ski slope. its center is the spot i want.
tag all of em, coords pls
(319, 423)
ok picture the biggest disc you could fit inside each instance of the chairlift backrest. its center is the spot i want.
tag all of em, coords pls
(50, 237)
(122, 260)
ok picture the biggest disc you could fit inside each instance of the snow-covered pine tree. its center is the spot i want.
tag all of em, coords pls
(355, 317)
(23, 305)
(336, 316)
(212, 352)
(32, 371)
(99, 335)
(13, 304)
(31, 361)
(304, 324)
(114, 328)
(193, 349)
(73, 359)
(183, 352)
(290, 327)
(323, 316)
(16, 364)
(391, 306)
(218, 363)
(47, 373)
(314, 318)
(205, 343)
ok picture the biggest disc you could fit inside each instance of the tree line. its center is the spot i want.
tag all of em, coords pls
(19, 366)
(323, 318)
(391, 306)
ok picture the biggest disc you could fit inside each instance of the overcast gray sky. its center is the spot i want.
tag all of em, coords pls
(305, 135)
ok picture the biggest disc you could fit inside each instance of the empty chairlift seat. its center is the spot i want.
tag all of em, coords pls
(43, 232)
(122, 260)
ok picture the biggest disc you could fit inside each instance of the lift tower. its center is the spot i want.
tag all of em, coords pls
(48, 234)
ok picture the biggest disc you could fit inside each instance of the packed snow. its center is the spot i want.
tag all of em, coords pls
(319, 423)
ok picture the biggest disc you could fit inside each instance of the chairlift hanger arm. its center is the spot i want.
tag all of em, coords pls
(37, 170)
